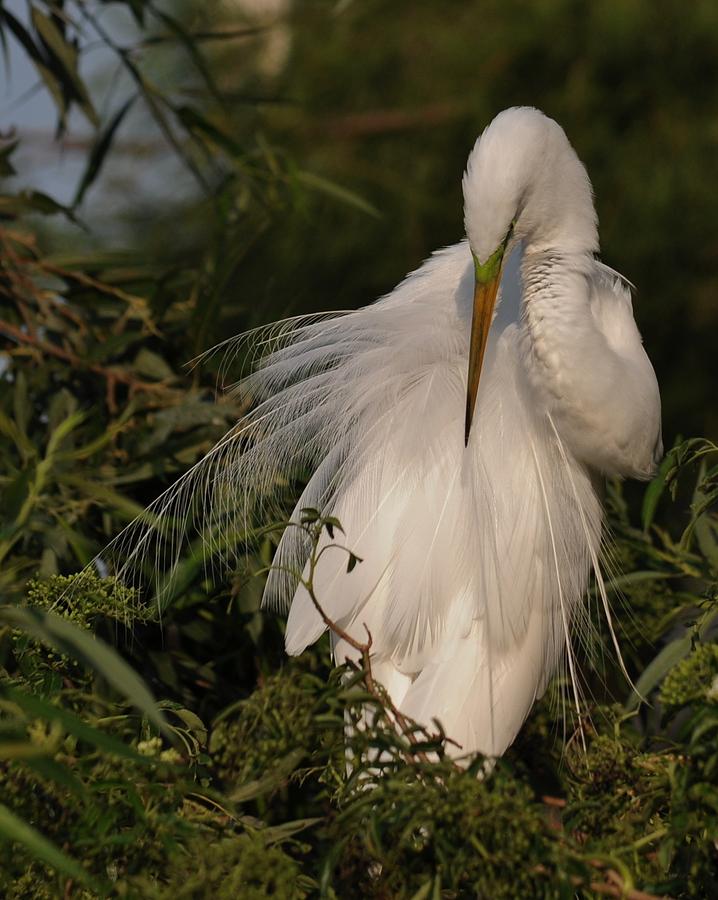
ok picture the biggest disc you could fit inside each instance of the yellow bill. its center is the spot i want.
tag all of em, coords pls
(488, 278)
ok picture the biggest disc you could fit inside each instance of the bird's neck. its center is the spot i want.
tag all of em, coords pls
(558, 325)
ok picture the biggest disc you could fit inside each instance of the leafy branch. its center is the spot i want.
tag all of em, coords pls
(314, 524)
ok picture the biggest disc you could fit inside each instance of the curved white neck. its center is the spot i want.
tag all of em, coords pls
(523, 175)
(560, 331)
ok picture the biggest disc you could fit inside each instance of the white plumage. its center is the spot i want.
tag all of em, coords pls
(476, 559)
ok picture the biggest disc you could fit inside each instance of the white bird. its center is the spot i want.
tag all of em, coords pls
(474, 504)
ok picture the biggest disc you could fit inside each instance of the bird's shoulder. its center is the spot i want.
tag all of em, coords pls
(438, 276)
(611, 298)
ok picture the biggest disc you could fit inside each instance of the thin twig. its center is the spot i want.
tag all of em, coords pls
(111, 375)
(408, 726)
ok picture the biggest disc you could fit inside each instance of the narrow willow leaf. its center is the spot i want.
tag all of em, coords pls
(654, 491)
(66, 59)
(191, 720)
(332, 189)
(195, 54)
(152, 365)
(424, 890)
(103, 494)
(657, 670)
(85, 647)
(14, 432)
(39, 708)
(63, 430)
(7, 169)
(36, 202)
(277, 833)
(197, 124)
(15, 829)
(24, 750)
(104, 438)
(276, 777)
(702, 524)
(51, 770)
(38, 59)
(15, 495)
(137, 7)
(100, 150)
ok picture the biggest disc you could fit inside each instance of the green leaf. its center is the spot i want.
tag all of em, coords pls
(191, 720)
(196, 123)
(61, 431)
(273, 779)
(137, 7)
(21, 35)
(654, 491)
(151, 365)
(113, 429)
(702, 523)
(15, 494)
(35, 202)
(103, 494)
(68, 638)
(12, 430)
(14, 829)
(24, 750)
(190, 45)
(51, 770)
(66, 58)
(325, 186)
(6, 167)
(307, 515)
(330, 523)
(38, 59)
(99, 151)
(657, 670)
(37, 707)
(622, 581)
(424, 890)
(278, 833)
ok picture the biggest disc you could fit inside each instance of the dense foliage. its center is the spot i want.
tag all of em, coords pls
(176, 753)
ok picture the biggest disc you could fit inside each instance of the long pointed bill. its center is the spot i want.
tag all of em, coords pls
(488, 277)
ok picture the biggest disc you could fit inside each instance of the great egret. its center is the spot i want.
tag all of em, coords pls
(474, 504)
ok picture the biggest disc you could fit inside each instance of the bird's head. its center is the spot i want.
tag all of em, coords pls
(523, 181)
